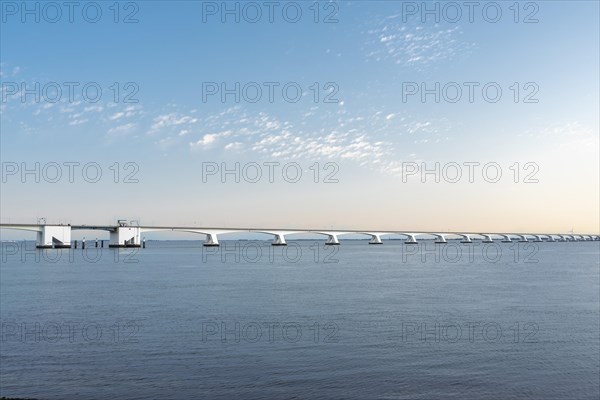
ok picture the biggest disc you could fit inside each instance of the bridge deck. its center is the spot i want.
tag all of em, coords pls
(285, 230)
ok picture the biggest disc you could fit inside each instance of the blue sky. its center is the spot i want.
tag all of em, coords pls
(369, 55)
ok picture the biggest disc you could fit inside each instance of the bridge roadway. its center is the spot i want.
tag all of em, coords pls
(129, 235)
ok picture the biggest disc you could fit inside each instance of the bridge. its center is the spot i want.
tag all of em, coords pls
(129, 234)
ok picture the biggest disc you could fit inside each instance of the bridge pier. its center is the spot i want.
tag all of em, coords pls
(538, 238)
(523, 238)
(54, 236)
(467, 239)
(412, 238)
(125, 236)
(375, 239)
(488, 239)
(332, 237)
(279, 240)
(332, 240)
(441, 239)
(211, 240)
(507, 239)
(279, 235)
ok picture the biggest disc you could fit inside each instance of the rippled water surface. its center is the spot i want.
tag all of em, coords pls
(176, 320)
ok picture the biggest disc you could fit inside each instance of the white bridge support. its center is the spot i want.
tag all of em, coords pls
(487, 238)
(441, 238)
(48, 236)
(507, 239)
(332, 237)
(466, 238)
(411, 237)
(125, 236)
(375, 237)
(279, 239)
(212, 239)
(332, 240)
(54, 236)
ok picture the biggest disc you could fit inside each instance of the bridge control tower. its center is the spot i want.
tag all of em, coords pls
(54, 236)
(125, 235)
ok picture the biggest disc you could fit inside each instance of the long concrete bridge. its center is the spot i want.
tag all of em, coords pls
(125, 234)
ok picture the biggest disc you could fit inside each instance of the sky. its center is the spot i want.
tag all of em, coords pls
(383, 115)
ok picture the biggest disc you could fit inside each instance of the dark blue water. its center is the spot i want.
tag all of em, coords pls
(176, 320)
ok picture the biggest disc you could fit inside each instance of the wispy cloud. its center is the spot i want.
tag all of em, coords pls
(7, 70)
(170, 120)
(121, 130)
(368, 138)
(206, 141)
(414, 45)
(573, 135)
(116, 116)
(78, 121)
